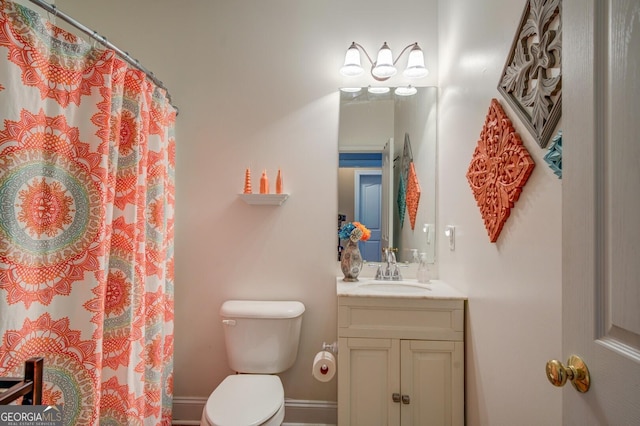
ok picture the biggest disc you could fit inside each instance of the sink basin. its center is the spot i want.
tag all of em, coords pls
(395, 287)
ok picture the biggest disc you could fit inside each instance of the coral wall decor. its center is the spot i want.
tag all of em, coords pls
(499, 169)
(553, 157)
(413, 194)
(532, 80)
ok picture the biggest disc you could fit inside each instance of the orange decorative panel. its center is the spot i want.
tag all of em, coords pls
(413, 194)
(499, 169)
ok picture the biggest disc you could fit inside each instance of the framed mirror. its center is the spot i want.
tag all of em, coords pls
(380, 136)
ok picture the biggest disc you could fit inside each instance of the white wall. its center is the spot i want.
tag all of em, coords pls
(514, 285)
(257, 83)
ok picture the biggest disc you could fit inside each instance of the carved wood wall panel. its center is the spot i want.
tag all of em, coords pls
(531, 81)
(499, 169)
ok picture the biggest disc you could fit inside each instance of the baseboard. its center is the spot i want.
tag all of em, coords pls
(310, 412)
(188, 411)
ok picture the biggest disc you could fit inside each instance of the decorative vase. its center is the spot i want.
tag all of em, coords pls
(351, 261)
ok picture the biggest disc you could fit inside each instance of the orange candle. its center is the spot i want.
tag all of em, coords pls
(279, 182)
(247, 181)
(264, 183)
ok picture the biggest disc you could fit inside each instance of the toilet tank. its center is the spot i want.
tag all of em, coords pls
(261, 337)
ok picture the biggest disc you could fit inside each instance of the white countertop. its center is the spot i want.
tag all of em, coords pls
(407, 288)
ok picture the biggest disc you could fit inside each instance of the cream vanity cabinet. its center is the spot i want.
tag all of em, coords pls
(401, 357)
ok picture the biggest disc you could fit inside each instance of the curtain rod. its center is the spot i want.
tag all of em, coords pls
(51, 8)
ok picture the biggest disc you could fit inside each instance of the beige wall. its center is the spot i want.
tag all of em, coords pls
(514, 285)
(256, 82)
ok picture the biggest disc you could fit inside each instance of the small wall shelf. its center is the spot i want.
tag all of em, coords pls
(264, 199)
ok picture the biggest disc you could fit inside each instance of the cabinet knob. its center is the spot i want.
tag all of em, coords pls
(406, 399)
(395, 397)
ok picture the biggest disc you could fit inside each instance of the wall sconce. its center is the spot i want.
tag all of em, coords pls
(384, 67)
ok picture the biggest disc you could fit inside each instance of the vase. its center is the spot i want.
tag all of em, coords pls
(351, 261)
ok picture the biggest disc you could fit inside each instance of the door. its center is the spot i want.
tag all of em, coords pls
(601, 208)
(432, 383)
(368, 211)
(387, 194)
(370, 374)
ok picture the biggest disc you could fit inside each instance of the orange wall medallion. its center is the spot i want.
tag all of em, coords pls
(499, 169)
(413, 194)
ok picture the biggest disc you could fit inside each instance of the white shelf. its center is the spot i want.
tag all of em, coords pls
(264, 199)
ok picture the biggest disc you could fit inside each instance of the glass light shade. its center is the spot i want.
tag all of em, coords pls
(378, 90)
(352, 65)
(406, 91)
(350, 89)
(415, 64)
(384, 67)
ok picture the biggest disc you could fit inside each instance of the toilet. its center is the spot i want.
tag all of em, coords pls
(261, 339)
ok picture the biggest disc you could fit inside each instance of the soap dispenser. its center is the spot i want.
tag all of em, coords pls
(424, 276)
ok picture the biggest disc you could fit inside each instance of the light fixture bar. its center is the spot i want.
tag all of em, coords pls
(384, 67)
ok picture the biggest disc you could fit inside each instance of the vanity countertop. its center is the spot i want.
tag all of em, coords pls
(407, 288)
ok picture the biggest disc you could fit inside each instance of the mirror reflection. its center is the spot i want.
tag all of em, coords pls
(387, 170)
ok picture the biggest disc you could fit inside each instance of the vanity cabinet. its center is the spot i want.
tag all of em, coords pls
(400, 361)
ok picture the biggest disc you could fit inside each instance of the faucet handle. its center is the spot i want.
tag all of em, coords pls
(379, 273)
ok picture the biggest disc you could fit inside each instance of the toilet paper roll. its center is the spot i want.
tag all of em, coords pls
(324, 366)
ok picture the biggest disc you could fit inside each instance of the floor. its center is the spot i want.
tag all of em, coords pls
(283, 424)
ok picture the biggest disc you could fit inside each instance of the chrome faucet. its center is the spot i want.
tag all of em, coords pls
(388, 270)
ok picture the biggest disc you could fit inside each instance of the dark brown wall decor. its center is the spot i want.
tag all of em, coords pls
(499, 169)
(532, 80)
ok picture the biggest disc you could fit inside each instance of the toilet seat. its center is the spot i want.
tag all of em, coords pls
(246, 400)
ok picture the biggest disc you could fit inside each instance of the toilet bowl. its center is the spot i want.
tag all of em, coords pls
(261, 340)
(246, 400)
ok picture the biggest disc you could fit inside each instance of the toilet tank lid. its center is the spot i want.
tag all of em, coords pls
(261, 309)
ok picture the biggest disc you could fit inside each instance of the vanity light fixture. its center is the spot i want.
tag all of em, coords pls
(384, 67)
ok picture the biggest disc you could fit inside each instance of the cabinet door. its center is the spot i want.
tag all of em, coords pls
(432, 377)
(369, 375)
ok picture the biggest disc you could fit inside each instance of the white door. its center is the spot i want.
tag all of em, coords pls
(432, 376)
(601, 208)
(368, 211)
(370, 374)
(387, 194)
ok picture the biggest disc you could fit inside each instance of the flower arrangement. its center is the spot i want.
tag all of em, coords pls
(355, 231)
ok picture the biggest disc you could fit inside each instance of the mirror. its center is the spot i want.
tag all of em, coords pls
(379, 136)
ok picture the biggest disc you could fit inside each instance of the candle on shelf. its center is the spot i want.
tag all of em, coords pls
(279, 182)
(247, 181)
(264, 183)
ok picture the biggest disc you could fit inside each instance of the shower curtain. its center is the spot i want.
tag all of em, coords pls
(86, 224)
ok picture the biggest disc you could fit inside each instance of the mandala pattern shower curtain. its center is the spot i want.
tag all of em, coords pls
(86, 224)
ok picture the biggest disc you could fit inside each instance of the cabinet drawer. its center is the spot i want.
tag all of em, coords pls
(432, 319)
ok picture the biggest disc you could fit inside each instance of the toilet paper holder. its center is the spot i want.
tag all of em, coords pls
(333, 347)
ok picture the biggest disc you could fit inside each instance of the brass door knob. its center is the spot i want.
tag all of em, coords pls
(576, 372)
